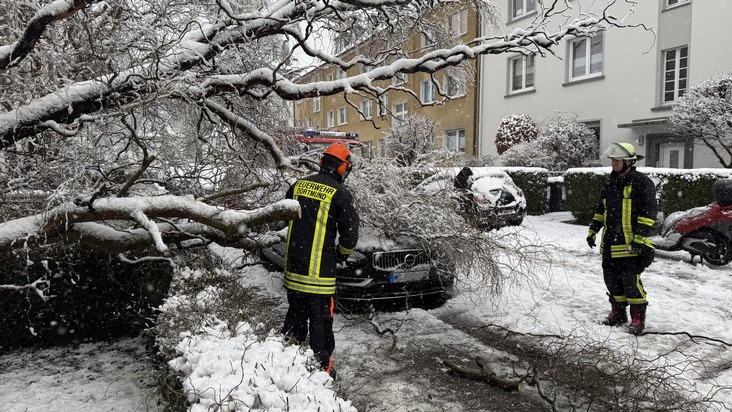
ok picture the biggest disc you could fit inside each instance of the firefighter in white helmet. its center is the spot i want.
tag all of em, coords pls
(626, 211)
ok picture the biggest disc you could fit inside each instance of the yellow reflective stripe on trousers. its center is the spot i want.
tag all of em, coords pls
(307, 284)
(626, 213)
(617, 251)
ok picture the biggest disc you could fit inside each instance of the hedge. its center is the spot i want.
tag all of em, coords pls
(677, 189)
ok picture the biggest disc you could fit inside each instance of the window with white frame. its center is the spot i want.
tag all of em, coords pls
(675, 73)
(458, 22)
(426, 40)
(522, 73)
(316, 104)
(426, 91)
(455, 140)
(400, 78)
(367, 150)
(309, 122)
(384, 104)
(329, 77)
(522, 7)
(399, 111)
(342, 115)
(331, 118)
(366, 111)
(342, 74)
(455, 82)
(586, 57)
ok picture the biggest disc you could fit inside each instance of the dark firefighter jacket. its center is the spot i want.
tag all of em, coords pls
(627, 208)
(327, 212)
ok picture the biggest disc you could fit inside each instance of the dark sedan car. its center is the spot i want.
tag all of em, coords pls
(387, 273)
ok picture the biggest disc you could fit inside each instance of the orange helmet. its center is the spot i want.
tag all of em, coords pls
(340, 152)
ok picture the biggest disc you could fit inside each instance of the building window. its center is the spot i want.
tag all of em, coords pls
(309, 122)
(455, 140)
(342, 115)
(426, 40)
(383, 104)
(329, 77)
(455, 82)
(342, 74)
(399, 111)
(427, 93)
(316, 104)
(522, 73)
(586, 57)
(670, 3)
(367, 150)
(400, 78)
(522, 7)
(331, 118)
(382, 148)
(458, 22)
(675, 73)
(366, 112)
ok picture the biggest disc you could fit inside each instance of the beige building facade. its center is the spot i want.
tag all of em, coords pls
(372, 117)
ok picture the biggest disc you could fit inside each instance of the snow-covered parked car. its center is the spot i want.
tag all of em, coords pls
(381, 270)
(488, 196)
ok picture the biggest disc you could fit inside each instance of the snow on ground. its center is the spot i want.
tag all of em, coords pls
(566, 296)
(90, 377)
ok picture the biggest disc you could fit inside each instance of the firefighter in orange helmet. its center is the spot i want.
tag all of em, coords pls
(323, 236)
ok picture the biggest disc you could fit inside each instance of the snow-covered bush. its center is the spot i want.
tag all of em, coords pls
(220, 350)
(515, 129)
(563, 142)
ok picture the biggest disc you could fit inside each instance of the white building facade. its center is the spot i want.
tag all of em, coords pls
(622, 83)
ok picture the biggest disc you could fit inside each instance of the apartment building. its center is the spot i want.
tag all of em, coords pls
(622, 83)
(372, 117)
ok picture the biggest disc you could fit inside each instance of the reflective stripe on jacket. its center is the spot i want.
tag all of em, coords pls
(327, 214)
(627, 207)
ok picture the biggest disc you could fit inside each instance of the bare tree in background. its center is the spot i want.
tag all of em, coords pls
(132, 123)
(410, 138)
(705, 113)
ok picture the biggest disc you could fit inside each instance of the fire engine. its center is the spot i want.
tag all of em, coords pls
(318, 140)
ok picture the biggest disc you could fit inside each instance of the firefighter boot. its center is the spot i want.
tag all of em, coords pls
(618, 315)
(637, 319)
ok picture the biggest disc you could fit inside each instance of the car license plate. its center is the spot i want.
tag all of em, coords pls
(407, 277)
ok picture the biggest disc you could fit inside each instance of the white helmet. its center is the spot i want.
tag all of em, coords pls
(624, 151)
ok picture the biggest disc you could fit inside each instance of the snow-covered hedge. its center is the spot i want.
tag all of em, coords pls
(678, 189)
(219, 344)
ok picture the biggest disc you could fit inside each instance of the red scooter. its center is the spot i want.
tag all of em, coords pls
(704, 231)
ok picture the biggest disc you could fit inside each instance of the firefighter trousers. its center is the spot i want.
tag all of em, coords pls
(313, 314)
(623, 279)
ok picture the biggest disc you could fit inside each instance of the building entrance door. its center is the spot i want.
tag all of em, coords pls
(671, 155)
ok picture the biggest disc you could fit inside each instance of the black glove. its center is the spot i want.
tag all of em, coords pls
(591, 238)
(640, 245)
(341, 257)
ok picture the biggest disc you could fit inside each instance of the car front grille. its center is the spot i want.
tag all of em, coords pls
(400, 259)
